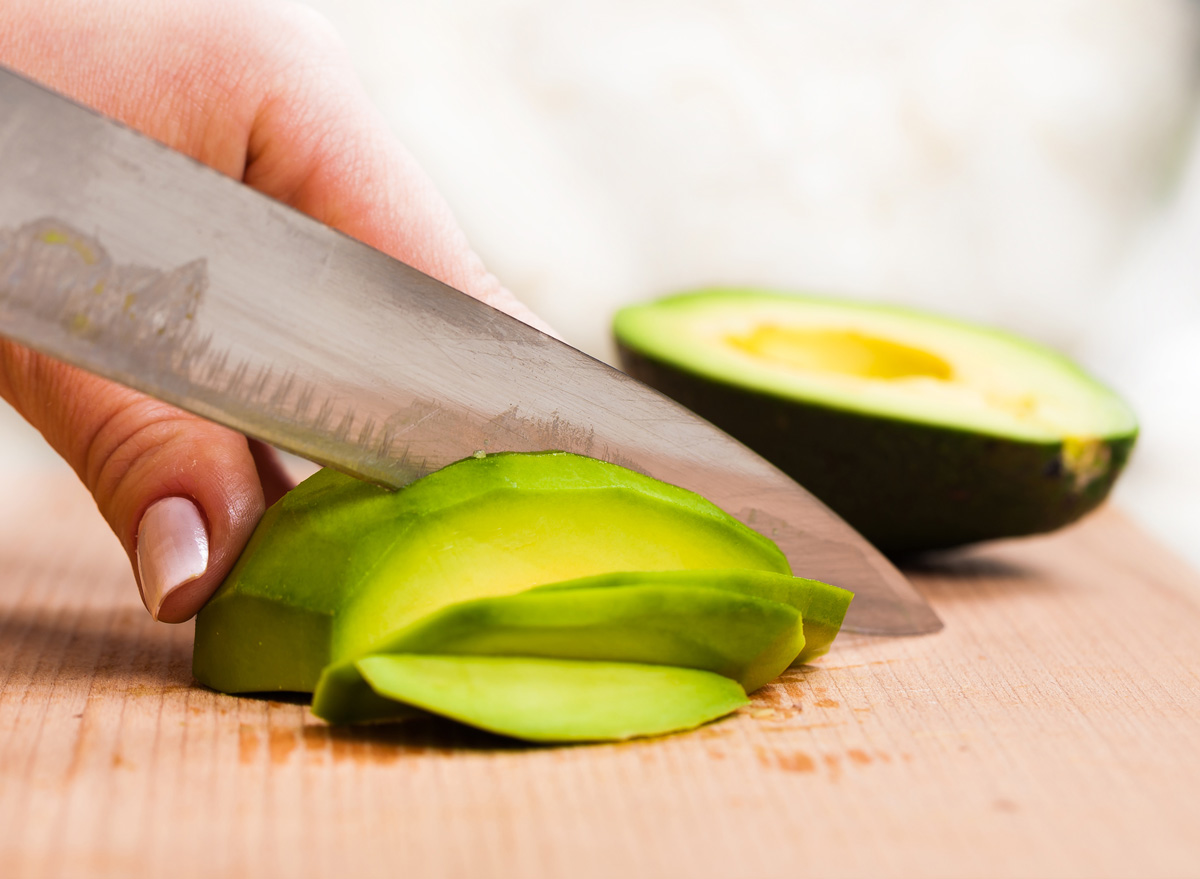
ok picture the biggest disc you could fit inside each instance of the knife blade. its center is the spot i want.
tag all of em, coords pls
(139, 264)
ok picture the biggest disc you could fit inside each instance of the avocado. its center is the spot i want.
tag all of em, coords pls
(740, 624)
(511, 522)
(339, 566)
(557, 700)
(922, 431)
(546, 596)
(822, 607)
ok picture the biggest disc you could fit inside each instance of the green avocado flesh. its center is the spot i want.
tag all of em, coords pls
(921, 431)
(543, 556)
(821, 607)
(555, 700)
(742, 624)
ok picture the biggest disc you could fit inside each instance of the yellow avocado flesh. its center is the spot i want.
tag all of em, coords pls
(840, 351)
(879, 360)
(850, 357)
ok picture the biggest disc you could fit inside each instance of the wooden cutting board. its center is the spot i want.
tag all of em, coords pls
(1052, 730)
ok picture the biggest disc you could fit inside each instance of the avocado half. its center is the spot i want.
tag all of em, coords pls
(923, 432)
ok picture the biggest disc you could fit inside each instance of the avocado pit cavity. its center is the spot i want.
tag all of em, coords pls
(848, 352)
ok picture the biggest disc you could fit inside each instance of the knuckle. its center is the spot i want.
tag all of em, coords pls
(130, 441)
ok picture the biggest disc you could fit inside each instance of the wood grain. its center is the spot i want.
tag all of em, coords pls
(1053, 730)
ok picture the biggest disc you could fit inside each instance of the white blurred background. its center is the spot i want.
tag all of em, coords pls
(1031, 164)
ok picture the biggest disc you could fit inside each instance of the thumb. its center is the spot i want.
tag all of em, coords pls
(182, 494)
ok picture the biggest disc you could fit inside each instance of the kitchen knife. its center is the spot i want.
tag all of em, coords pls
(139, 264)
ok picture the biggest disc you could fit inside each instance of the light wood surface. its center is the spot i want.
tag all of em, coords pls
(1053, 730)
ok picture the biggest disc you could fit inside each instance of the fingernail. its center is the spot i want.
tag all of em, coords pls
(172, 549)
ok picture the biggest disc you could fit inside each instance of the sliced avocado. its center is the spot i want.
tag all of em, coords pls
(822, 607)
(654, 618)
(555, 699)
(269, 625)
(339, 566)
(921, 431)
(534, 528)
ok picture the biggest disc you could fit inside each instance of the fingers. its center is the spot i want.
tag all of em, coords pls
(133, 453)
(181, 494)
(261, 91)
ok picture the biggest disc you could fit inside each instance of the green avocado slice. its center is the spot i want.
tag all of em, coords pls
(338, 566)
(511, 540)
(555, 700)
(648, 618)
(923, 432)
(822, 607)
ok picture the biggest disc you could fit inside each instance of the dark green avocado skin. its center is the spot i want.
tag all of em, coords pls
(905, 486)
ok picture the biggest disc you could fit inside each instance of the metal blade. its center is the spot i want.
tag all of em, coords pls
(136, 263)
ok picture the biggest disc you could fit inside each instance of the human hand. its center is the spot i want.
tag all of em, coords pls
(262, 91)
